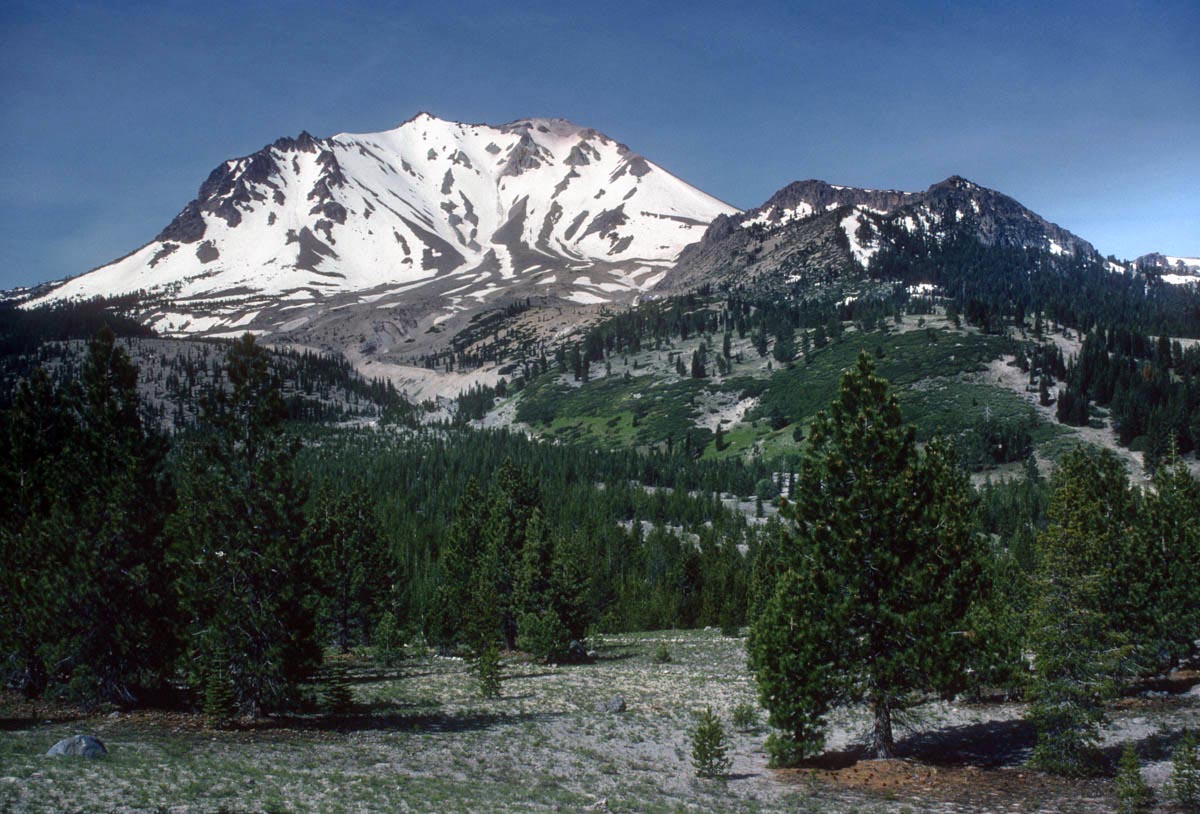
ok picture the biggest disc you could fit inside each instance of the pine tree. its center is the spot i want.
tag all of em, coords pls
(1078, 649)
(710, 747)
(33, 546)
(220, 695)
(336, 694)
(1164, 557)
(489, 671)
(85, 585)
(877, 580)
(245, 574)
(389, 646)
(456, 564)
(350, 564)
(1133, 795)
(1185, 773)
(541, 631)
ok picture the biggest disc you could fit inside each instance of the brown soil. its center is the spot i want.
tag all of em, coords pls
(973, 787)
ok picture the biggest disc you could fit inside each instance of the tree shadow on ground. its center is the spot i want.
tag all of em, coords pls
(989, 744)
(1157, 746)
(398, 722)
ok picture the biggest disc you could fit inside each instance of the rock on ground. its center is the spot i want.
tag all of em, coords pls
(79, 746)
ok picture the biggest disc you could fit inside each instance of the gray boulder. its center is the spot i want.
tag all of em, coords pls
(613, 705)
(79, 746)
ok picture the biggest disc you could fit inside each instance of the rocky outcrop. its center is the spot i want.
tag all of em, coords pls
(84, 746)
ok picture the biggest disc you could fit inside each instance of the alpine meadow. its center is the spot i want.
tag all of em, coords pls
(466, 467)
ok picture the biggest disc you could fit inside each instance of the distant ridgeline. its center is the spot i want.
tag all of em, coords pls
(175, 376)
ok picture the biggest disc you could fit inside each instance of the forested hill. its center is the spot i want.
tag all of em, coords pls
(175, 376)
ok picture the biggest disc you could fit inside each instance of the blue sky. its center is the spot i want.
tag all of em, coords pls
(1088, 113)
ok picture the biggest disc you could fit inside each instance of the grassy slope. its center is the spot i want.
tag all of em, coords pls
(936, 373)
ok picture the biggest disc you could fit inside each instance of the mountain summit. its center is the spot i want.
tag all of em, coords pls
(452, 215)
(811, 232)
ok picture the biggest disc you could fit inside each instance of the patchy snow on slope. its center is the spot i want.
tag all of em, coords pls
(862, 253)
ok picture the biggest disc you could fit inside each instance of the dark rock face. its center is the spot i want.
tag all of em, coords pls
(164, 252)
(84, 746)
(187, 227)
(207, 252)
(312, 249)
(607, 221)
(526, 154)
(235, 184)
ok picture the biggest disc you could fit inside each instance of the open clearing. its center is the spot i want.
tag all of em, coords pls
(420, 739)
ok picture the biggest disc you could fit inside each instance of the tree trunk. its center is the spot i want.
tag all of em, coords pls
(883, 745)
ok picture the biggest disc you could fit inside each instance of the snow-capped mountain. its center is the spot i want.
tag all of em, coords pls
(1176, 270)
(434, 217)
(811, 232)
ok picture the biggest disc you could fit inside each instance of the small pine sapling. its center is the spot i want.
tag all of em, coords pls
(710, 747)
(487, 672)
(1133, 795)
(220, 696)
(745, 717)
(389, 644)
(336, 693)
(1185, 773)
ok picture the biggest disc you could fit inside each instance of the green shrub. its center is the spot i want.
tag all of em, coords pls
(662, 655)
(710, 747)
(745, 717)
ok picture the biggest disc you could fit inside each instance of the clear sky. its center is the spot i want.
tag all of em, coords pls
(112, 114)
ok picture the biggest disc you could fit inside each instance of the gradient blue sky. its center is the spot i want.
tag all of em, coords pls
(1089, 113)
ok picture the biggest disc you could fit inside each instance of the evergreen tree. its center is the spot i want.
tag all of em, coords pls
(245, 573)
(1133, 795)
(511, 502)
(85, 582)
(1185, 773)
(877, 580)
(1159, 589)
(344, 540)
(336, 694)
(540, 631)
(460, 552)
(220, 695)
(785, 347)
(1077, 647)
(489, 671)
(33, 540)
(710, 747)
(389, 646)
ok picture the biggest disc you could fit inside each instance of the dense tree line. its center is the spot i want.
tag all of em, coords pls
(221, 562)
(997, 285)
(1151, 388)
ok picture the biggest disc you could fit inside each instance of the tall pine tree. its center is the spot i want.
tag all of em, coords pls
(245, 575)
(877, 579)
